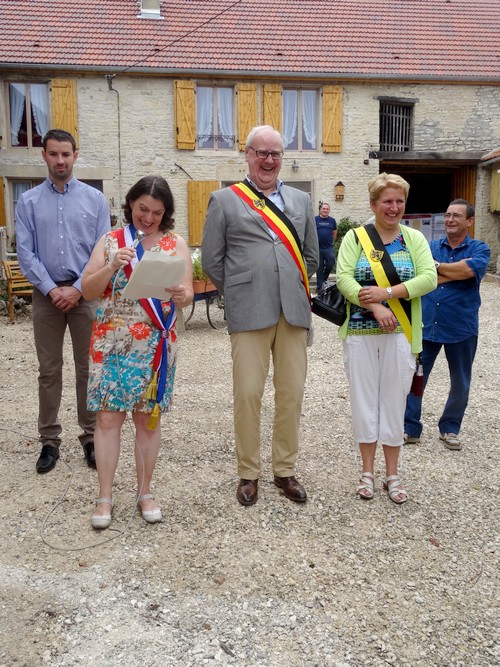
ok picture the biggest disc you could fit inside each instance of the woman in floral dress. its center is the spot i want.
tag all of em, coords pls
(134, 342)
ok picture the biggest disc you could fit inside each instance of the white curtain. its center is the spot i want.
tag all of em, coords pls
(38, 97)
(309, 118)
(17, 103)
(225, 117)
(204, 116)
(290, 109)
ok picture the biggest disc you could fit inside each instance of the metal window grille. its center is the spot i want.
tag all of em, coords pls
(395, 127)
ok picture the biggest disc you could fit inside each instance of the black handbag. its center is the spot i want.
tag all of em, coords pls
(330, 304)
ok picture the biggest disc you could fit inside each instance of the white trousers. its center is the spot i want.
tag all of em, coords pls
(380, 370)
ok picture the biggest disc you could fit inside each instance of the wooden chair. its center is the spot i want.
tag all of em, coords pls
(17, 284)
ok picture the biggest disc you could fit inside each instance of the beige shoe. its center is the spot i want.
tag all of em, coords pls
(151, 516)
(366, 486)
(411, 439)
(392, 485)
(451, 441)
(101, 521)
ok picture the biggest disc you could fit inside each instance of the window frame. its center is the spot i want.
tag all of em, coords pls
(396, 125)
(300, 121)
(27, 114)
(216, 139)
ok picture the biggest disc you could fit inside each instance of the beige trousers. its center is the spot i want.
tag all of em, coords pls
(251, 352)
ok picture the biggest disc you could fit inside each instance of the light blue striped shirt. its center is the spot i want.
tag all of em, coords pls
(57, 231)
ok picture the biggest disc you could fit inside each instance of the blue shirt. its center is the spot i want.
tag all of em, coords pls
(57, 231)
(451, 311)
(325, 228)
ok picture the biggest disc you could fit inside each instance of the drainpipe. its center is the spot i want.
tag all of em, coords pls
(109, 78)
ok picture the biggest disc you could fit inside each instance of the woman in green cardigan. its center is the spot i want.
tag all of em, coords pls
(379, 350)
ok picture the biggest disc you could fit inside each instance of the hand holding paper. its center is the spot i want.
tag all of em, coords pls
(153, 274)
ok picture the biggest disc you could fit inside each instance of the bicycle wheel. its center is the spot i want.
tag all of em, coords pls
(216, 314)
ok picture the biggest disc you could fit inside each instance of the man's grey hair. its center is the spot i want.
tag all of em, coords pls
(257, 130)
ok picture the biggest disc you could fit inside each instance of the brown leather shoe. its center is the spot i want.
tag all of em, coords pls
(291, 488)
(247, 491)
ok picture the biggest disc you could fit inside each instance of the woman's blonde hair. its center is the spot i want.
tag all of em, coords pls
(379, 183)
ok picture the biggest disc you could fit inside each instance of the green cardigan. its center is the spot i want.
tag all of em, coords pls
(425, 279)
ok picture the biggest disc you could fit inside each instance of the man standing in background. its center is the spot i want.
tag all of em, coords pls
(57, 225)
(326, 227)
(450, 317)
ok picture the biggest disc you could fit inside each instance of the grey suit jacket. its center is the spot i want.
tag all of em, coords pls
(256, 272)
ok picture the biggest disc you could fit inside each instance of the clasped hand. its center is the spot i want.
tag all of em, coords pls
(372, 294)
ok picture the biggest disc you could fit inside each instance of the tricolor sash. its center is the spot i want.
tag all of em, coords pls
(277, 221)
(384, 273)
(159, 365)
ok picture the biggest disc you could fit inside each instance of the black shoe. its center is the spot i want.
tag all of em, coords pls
(88, 449)
(47, 459)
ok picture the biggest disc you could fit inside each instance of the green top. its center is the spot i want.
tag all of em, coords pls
(425, 279)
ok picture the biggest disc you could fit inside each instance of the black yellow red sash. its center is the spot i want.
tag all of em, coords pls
(381, 264)
(277, 221)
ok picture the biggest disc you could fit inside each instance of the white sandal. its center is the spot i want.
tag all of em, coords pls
(151, 516)
(366, 484)
(102, 521)
(392, 486)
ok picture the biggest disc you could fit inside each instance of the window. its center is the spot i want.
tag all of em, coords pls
(28, 113)
(395, 126)
(300, 119)
(215, 117)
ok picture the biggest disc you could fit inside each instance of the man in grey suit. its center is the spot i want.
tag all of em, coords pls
(249, 230)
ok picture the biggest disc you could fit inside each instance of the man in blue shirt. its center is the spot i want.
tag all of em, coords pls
(450, 316)
(57, 225)
(327, 233)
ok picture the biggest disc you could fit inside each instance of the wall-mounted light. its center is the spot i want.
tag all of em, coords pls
(295, 166)
(339, 191)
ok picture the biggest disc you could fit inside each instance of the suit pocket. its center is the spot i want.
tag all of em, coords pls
(238, 279)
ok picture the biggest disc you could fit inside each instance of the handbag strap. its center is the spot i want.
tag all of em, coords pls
(384, 273)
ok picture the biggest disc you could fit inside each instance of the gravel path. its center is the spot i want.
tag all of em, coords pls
(337, 582)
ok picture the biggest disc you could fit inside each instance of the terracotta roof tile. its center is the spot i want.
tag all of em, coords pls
(434, 39)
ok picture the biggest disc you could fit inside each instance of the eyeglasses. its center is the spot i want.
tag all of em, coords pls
(454, 216)
(263, 155)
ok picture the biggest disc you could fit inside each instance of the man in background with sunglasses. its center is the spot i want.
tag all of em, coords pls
(259, 248)
(450, 317)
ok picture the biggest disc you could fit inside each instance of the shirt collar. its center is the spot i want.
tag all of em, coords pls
(67, 186)
(279, 185)
(464, 244)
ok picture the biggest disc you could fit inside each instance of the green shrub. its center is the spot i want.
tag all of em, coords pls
(343, 227)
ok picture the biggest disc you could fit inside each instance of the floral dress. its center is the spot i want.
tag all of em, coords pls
(123, 343)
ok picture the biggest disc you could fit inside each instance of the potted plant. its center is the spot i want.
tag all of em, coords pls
(201, 282)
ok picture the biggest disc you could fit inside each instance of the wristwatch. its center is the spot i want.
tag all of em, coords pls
(389, 292)
(437, 264)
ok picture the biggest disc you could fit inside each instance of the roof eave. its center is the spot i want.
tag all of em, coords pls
(253, 74)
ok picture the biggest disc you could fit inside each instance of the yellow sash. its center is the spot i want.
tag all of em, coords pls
(375, 257)
(275, 219)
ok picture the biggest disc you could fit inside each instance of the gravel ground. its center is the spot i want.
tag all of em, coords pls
(337, 582)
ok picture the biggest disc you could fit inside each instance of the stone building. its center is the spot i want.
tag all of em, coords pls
(173, 87)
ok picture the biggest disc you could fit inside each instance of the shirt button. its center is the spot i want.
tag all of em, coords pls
(276, 269)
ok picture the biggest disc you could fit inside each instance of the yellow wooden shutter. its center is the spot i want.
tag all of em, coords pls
(495, 191)
(332, 119)
(3, 214)
(198, 196)
(185, 124)
(65, 106)
(247, 111)
(463, 186)
(271, 111)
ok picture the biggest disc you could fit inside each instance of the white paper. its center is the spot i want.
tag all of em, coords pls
(153, 274)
